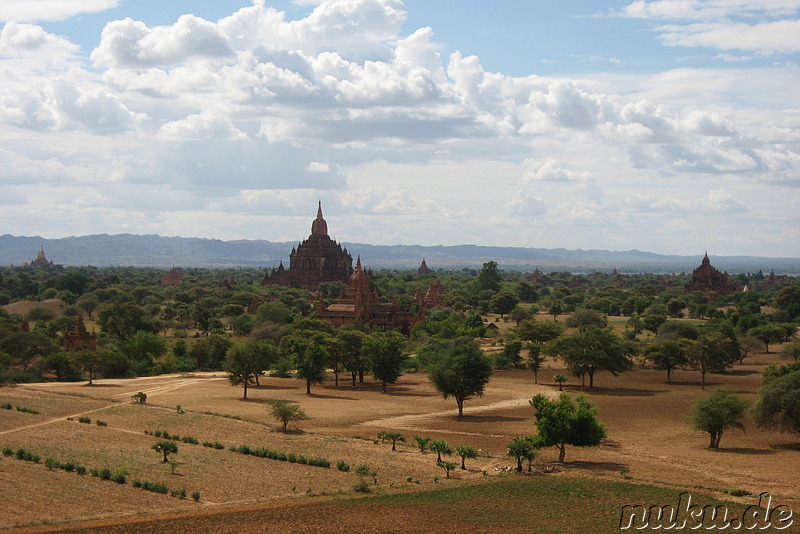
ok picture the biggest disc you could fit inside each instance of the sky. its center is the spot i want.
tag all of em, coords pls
(670, 126)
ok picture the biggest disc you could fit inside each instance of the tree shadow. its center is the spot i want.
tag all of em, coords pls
(324, 396)
(466, 418)
(620, 392)
(786, 446)
(742, 372)
(743, 450)
(597, 466)
(102, 385)
(697, 383)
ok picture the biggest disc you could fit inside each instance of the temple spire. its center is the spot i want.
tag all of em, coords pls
(319, 227)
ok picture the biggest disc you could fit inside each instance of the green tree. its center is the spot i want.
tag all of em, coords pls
(520, 449)
(465, 451)
(422, 442)
(243, 364)
(90, 361)
(519, 314)
(27, 346)
(209, 352)
(143, 349)
(767, 334)
(539, 332)
(488, 278)
(778, 403)
(583, 319)
(447, 466)
(462, 373)
(385, 356)
(352, 344)
(503, 302)
(88, 303)
(440, 447)
(713, 353)
(512, 353)
(560, 379)
(588, 351)
(166, 448)
(394, 437)
(309, 353)
(60, 364)
(667, 356)
(124, 319)
(718, 411)
(563, 422)
(791, 351)
(285, 412)
(535, 360)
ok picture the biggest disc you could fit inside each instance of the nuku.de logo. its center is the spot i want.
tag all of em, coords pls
(686, 515)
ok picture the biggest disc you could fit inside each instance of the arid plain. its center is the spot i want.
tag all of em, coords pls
(645, 416)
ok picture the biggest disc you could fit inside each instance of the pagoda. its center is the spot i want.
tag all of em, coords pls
(707, 278)
(79, 338)
(41, 262)
(359, 302)
(316, 260)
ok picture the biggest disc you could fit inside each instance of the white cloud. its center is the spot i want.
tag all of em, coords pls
(715, 201)
(32, 10)
(751, 25)
(523, 204)
(550, 170)
(21, 40)
(200, 127)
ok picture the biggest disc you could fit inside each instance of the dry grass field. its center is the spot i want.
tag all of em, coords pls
(644, 415)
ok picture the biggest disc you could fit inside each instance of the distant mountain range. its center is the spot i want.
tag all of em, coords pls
(155, 251)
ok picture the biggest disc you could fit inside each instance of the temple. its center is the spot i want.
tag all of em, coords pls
(359, 302)
(41, 262)
(316, 260)
(424, 269)
(707, 278)
(79, 338)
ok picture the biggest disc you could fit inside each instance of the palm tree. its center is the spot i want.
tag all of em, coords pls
(440, 447)
(466, 452)
(393, 436)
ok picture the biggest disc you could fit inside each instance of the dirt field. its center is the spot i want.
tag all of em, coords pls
(644, 416)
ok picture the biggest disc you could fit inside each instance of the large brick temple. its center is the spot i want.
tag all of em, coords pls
(316, 260)
(708, 278)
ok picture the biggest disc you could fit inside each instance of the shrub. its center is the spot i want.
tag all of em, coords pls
(6, 406)
(363, 470)
(343, 466)
(361, 487)
(180, 493)
(196, 496)
(69, 466)
(119, 477)
(136, 483)
(101, 423)
(27, 410)
(81, 470)
(84, 420)
(8, 451)
(190, 439)
(51, 463)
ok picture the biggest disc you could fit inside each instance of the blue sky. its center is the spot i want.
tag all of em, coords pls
(671, 126)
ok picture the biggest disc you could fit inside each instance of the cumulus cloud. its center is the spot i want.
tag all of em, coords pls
(200, 127)
(762, 27)
(25, 40)
(550, 170)
(16, 168)
(32, 10)
(715, 201)
(523, 204)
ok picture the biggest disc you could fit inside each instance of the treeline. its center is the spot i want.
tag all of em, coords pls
(224, 319)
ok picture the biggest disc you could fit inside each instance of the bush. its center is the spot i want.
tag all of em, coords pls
(363, 470)
(8, 451)
(101, 423)
(6, 406)
(361, 487)
(84, 420)
(196, 496)
(27, 410)
(180, 493)
(190, 439)
(51, 463)
(343, 466)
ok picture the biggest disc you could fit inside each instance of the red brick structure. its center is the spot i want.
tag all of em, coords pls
(79, 338)
(424, 269)
(707, 278)
(434, 297)
(316, 260)
(360, 303)
(173, 277)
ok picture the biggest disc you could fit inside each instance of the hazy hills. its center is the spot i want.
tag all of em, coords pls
(155, 251)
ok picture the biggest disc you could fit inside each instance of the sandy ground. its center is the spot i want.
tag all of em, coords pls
(645, 417)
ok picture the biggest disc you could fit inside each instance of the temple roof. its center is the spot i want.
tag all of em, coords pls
(319, 227)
